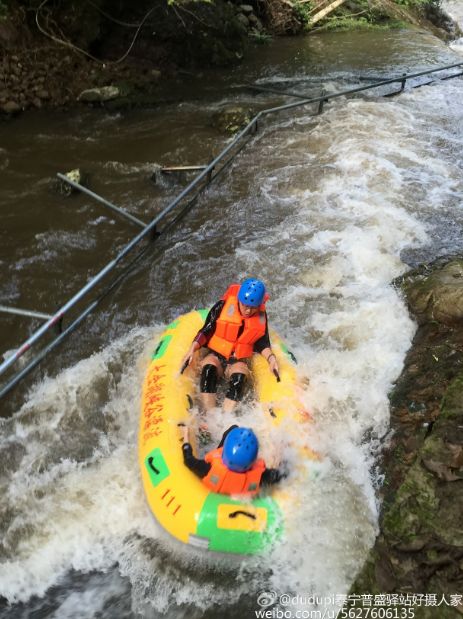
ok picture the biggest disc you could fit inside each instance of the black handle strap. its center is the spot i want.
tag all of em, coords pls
(242, 513)
(184, 366)
(152, 467)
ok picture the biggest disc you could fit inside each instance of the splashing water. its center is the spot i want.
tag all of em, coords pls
(324, 211)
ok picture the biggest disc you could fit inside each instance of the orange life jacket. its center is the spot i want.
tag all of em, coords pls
(221, 479)
(225, 340)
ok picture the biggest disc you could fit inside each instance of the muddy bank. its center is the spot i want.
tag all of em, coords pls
(420, 545)
(49, 57)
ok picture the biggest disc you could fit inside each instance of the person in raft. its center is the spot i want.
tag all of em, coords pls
(235, 328)
(232, 468)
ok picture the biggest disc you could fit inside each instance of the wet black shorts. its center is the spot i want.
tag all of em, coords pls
(224, 362)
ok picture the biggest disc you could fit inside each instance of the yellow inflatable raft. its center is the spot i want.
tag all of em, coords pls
(178, 499)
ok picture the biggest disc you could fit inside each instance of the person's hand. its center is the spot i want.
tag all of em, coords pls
(273, 364)
(186, 434)
(188, 358)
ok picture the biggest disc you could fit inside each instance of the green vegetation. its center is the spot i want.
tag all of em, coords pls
(262, 38)
(302, 12)
(3, 10)
(418, 3)
(358, 23)
(361, 15)
(366, 15)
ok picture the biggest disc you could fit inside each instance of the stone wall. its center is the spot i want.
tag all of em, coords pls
(420, 545)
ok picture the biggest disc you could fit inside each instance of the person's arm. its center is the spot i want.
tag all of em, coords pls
(204, 334)
(263, 342)
(224, 436)
(272, 476)
(264, 347)
(199, 467)
(208, 328)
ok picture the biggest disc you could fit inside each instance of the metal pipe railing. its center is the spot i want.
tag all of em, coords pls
(70, 328)
(22, 312)
(95, 196)
(111, 265)
(352, 91)
(208, 175)
(278, 91)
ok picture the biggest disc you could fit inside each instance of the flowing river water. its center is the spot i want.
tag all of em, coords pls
(326, 209)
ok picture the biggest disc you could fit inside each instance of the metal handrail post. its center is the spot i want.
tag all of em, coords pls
(403, 82)
(99, 198)
(321, 104)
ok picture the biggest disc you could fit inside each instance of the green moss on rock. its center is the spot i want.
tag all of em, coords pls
(414, 509)
(439, 296)
(452, 404)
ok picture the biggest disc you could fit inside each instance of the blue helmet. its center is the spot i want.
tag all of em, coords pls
(240, 449)
(252, 292)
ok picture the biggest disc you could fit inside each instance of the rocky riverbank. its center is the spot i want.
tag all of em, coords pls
(53, 57)
(420, 545)
(50, 59)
